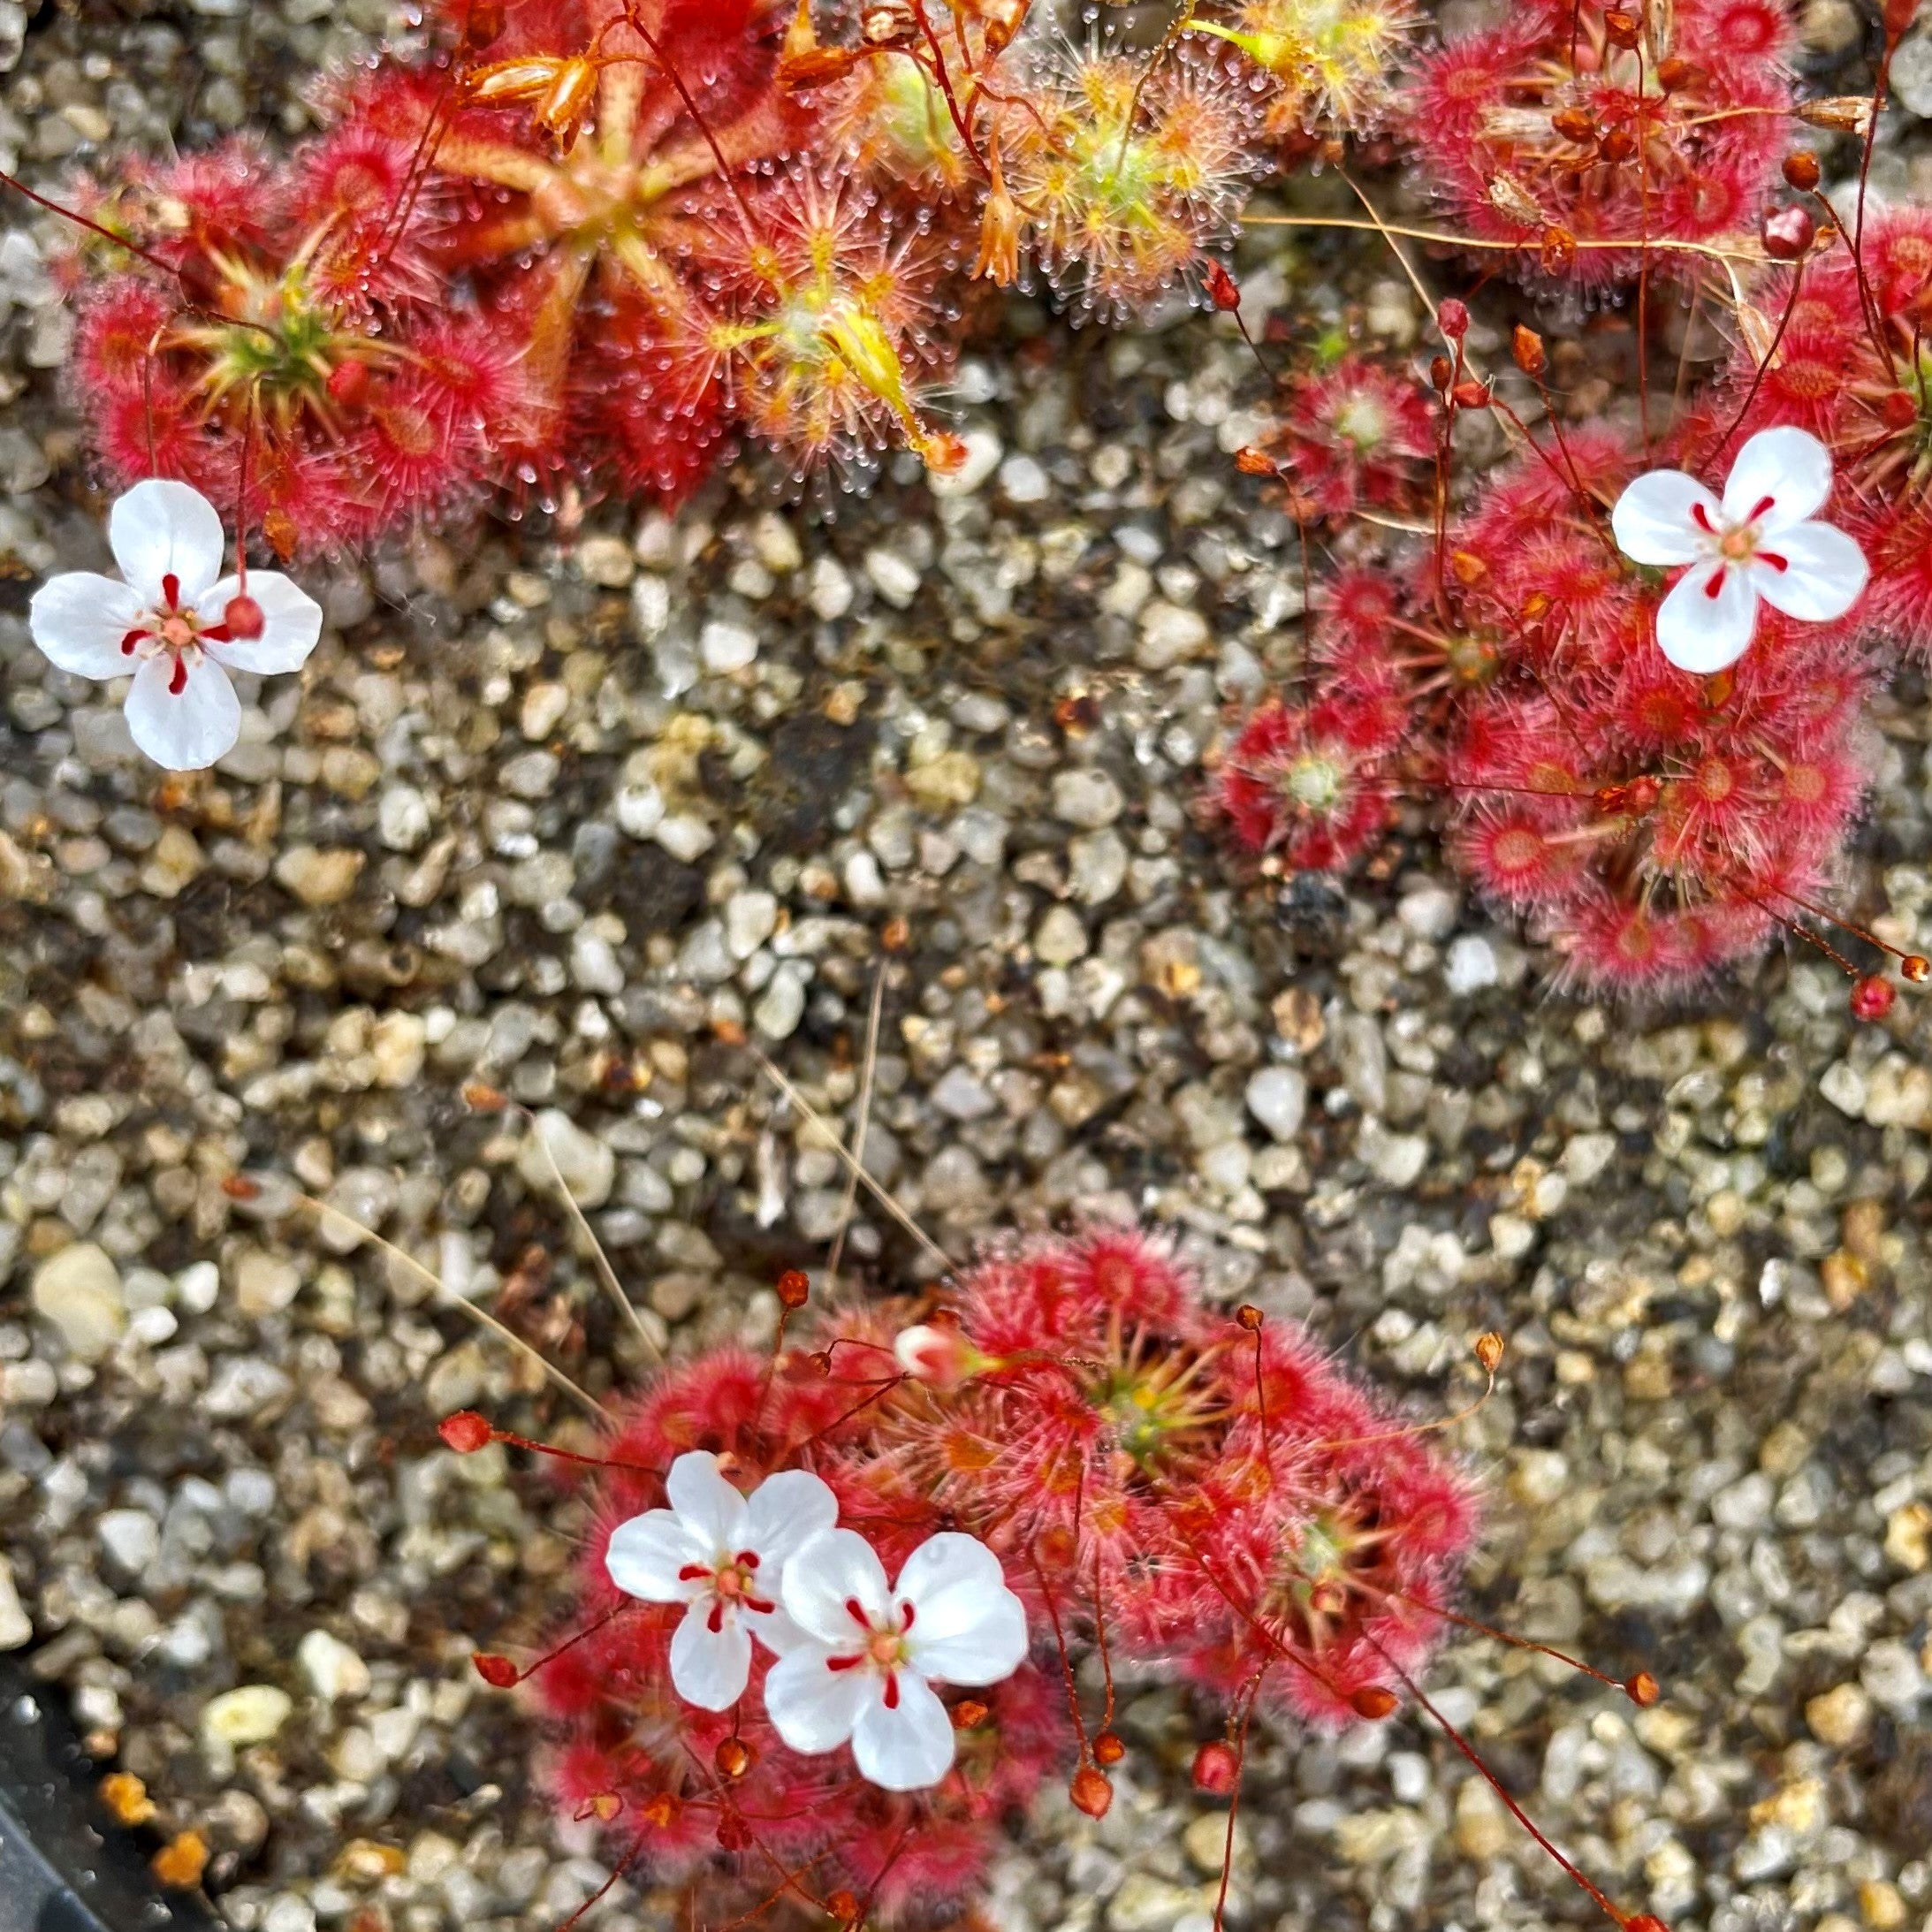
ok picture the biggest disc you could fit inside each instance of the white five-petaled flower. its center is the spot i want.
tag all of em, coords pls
(177, 624)
(857, 1663)
(724, 1554)
(1758, 541)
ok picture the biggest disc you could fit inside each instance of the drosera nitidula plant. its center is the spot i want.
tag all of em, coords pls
(1062, 1449)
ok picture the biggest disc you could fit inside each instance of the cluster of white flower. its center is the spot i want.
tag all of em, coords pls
(856, 1658)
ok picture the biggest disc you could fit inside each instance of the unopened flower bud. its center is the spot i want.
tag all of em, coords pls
(1527, 347)
(1222, 290)
(483, 24)
(1452, 318)
(1373, 1702)
(1787, 233)
(347, 384)
(929, 1353)
(1253, 462)
(1622, 28)
(1556, 250)
(1642, 1689)
(733, 1758)
(1871, 997)
(1916, 968)
(793, 1289)
(1250, 1318)
(497, 1672)
(466, 1432)
(1217, 1769)
(1091, 1792)
(1574, 124)
(1490, 1351)
(1471, 394)
(1108, 1748)
(1442, 372)
(242, 617)
(1801, 170)
(969, 1714)
(1897, 16)
(1675, 72)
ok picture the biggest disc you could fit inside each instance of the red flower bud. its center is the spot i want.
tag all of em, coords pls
(348, 384)
(499, 1672)
(1801, 170)
(242, 617)
(1216, 1769)
(1872, 998)
(466, 1432)
(1788, 233)
(1222, 290)
(1091, 1791)
(1452, 318)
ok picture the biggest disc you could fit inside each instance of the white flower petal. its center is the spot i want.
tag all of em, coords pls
(710, 1668)
(161, 528)
(1653, 523)
(1790, 467)
(1824, 572)
(291, 623)
(812, 1707)
(907, 1747)
(79, 619)
(711, 1509)
(828, 1571)
(646, 1553)
(188, 729)
(777, 1632)
(1703, 632)
(967, 1627)
(781, 1513)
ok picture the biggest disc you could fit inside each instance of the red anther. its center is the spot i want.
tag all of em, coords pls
(1452, 318)
(1872, 998)
(1801, 170)
(499, 1672)
(733, 1758)
(1250, 1318)
(1222, 290)
(1091, 1792)
(466, 1432)
(242, 617)
(1788, 233)
(1373, 1702)
(1109, 1749)
(792, 1288)
(348, 384)
(1642, 1689)
(969, 1714)
(1471, 394)
(1217, 1769)
(1527, 348)
(1916, 968)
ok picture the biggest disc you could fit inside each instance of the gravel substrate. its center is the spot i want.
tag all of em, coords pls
(589, 821)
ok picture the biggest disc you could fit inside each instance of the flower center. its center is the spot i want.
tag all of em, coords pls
(731, 1581)
(168, 628)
